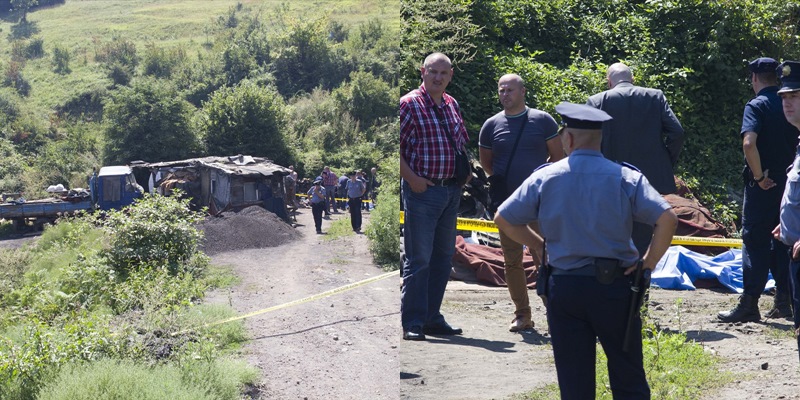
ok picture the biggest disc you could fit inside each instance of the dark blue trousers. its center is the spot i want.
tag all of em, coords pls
(355, 212)
(794, 279)
(580, 310)
(761, 253)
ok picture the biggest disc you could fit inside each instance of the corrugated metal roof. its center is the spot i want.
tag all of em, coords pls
(233, 165)
(114, 170)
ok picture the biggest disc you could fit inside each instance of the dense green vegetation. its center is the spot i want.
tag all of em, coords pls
(111, 306)
(695, 51)
(107, 82)
(88, 83)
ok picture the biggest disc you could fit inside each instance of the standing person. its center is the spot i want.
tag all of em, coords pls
(585, 206)
(513, 143)
(789, 229)
(342, 188)
(373, 185)
(317, 198)
(644, 132)
(431, 195)
(329, 180)
(355, 190)
(361, 176)
(290, 184)
(768, 142)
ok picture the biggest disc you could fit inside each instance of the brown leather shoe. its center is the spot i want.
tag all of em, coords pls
(520, 323)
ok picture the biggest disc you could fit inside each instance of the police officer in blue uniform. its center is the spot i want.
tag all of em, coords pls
(586, 206)
(768, 142)
(789, 229)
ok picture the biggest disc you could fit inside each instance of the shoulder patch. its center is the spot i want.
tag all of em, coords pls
(624, 164)
(542, 166)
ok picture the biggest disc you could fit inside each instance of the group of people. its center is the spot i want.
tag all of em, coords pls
(353, 186)
(586, 199)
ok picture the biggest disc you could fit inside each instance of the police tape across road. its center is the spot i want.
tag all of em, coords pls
(482, 225)
(298, 301)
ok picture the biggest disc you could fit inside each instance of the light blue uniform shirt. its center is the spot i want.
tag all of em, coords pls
(314, 197)
(790, 205)
(586, 206)
(355, 188)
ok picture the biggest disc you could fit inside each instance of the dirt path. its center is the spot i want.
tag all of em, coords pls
(348, 346)
(340, 347)
(488, 362)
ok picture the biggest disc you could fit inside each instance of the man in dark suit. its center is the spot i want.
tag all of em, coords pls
(644, 132)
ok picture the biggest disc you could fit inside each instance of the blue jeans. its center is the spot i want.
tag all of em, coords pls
(429, 236)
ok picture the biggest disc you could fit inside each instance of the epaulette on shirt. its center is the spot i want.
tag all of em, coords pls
(624, 164)
(542, 166)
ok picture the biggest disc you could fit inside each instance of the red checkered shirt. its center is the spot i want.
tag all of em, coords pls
(330, 179)
(423, 143)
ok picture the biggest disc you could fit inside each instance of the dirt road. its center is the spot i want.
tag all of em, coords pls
(340, 347)
(348, 346)
(488, 362)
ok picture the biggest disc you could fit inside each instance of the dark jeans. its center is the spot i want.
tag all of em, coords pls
(429, 237)
(355, 212)
(317, 210)
(580, 310)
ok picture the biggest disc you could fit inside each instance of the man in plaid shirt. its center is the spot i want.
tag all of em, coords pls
(431, 197)
(329, 181)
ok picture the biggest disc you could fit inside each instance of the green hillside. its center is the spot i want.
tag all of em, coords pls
(65, 64)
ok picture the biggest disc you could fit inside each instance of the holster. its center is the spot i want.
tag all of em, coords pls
(541, 282)
(606, 270)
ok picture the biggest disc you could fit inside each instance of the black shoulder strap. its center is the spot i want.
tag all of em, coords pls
(446, 128)
(516, 142)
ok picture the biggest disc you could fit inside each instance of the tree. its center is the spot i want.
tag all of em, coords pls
(367, 98)
(23, 6)
(246, 119)
(150, 122)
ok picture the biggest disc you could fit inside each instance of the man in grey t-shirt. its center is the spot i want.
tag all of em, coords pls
(537, 142)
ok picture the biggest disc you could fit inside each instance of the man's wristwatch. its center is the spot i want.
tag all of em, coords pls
(760, 179)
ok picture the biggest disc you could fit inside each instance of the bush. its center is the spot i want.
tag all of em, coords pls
(156, 232)
(384, 227)
(61, 59)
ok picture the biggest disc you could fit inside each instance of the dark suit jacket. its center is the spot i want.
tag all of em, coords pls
(644, 132)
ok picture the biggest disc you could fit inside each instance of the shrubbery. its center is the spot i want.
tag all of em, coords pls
(104, 297)
(695, 51)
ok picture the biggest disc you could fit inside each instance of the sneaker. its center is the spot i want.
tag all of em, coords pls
(520, 323)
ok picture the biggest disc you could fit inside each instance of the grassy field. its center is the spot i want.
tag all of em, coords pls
(82, 25)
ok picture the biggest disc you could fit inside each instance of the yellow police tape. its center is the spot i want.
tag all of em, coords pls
(482, 225)
(336, 198)
(299, 301)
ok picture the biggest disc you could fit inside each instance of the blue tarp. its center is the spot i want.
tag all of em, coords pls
(680, 267)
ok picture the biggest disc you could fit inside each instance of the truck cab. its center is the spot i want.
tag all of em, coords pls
(114, 187)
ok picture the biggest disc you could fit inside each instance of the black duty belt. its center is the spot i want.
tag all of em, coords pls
(586, 270)
(443, 182)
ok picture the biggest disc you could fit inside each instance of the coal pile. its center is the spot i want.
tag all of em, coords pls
(251, 228)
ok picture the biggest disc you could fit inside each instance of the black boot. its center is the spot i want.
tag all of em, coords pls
(745, 311)
(782, 307)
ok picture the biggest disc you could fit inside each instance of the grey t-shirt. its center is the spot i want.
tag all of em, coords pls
(499, 134)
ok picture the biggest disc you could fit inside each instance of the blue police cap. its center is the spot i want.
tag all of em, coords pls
(763, 64)
(789, 72)
(581, 116)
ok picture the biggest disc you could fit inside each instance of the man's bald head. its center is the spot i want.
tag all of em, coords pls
(512, 79)
(617, 73)
(435, 57)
